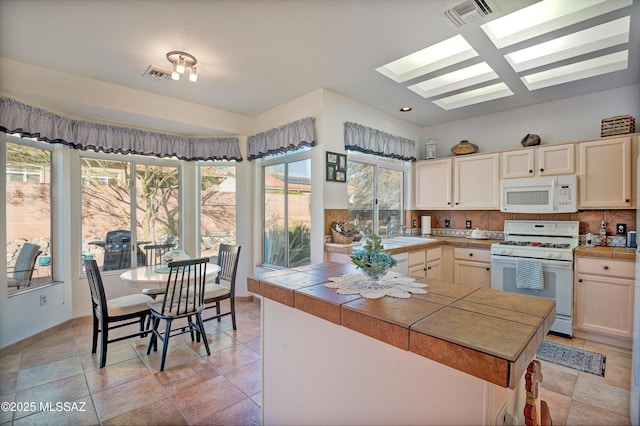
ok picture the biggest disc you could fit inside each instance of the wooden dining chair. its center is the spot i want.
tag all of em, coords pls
(225, 285)
(153, 256)
(113, 313)
(153, 253)
(183, 299)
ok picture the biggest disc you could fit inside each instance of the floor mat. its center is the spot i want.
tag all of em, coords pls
(568, 356)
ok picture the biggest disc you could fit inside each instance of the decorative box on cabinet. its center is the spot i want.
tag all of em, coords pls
(604, 292)
(472, 266)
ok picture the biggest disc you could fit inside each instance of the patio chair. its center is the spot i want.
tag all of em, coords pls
(228, 257)
(121, 312)
(183, 299)
(22, 271)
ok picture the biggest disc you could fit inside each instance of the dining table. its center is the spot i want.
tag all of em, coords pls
(155, 276)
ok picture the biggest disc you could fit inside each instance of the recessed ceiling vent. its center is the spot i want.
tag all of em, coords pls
(468, 11)
(157, 73)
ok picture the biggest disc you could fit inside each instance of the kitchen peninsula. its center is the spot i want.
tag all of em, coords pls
(455, 355)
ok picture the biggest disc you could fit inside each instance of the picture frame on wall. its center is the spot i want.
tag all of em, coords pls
(336, 167)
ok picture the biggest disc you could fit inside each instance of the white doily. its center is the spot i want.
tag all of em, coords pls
(392, 284)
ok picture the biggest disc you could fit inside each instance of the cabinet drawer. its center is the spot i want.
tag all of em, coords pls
(416, 258)
(477, 255)
(606, 267)
(434, 254)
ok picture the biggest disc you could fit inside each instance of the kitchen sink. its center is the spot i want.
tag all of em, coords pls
(407, 241)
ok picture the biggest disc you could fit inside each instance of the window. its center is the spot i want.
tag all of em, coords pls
(217, 207)
(376, 188)
(117, 208)
(287, 211)
(28, 172)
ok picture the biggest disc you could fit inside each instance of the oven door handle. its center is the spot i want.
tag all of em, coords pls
(511, 260)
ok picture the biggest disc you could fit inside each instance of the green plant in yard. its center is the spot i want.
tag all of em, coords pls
(299, 245)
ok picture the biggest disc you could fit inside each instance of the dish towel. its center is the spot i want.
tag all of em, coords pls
(529, 274)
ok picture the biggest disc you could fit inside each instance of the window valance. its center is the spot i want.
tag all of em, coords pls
(288, 137)
(29, 121)
(372, 141)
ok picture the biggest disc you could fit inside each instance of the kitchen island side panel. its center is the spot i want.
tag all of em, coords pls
(316, 372)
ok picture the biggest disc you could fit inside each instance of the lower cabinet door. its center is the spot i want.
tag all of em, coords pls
(473, 273)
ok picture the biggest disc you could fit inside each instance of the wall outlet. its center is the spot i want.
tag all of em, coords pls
(43, 300)
(621, 228)
(468, 224)
(447, 223)
(414, 222)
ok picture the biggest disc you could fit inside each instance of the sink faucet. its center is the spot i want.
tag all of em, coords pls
(391, 229)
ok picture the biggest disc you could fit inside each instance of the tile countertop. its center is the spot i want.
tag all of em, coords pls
(490, 334)
(619, 253)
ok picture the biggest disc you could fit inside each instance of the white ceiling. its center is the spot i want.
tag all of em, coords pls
(254, 55)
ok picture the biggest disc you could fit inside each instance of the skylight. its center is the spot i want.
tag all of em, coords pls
(579, 70)
(546, 16)
(590, 40)
(475, 96)
(440, 55)
(456, 80)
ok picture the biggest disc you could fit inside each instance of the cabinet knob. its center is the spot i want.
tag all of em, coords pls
(579, 280)
(542, 170)
(488, 269)
(605, 267)
(470, 254)
(448, 203)
(530, 171)
(627, 200)
(457, 203)
(429, 268)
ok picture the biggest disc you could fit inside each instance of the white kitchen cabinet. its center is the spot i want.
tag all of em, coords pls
(605, 173)
(469, 182)
(434, 184)
(472, 266)
(549, 160)
(604, 294)
(426, 263)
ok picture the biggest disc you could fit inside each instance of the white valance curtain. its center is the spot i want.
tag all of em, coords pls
(288, 137)
(372, 141)
(29, 121)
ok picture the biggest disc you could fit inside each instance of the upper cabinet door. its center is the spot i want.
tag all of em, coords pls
(477, 182)
(518, 164)
(547, 160)
(556, 160)
(434, 184)
(605, 173)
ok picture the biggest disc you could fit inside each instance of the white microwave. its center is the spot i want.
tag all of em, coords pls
(550, 194)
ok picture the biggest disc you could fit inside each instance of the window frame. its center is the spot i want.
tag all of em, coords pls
(386, 163)
(283, 158)
(133, 160)
(53, 206)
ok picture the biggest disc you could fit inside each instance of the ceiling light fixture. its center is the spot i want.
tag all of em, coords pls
(456, 80)
(406, 109)
(475, 96)
(544, 17)
(440, 55)
(180, 61)
(582, 42)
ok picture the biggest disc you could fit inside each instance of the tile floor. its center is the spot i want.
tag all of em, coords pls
(224, 388)
(57, 366)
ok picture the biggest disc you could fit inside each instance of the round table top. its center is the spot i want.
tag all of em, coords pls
(149, 277)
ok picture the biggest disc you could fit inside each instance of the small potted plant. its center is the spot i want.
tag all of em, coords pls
(372, 258)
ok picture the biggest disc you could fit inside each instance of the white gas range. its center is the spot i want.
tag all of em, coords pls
(543, 246)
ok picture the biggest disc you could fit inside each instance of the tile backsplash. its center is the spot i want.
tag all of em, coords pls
(493, 221)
